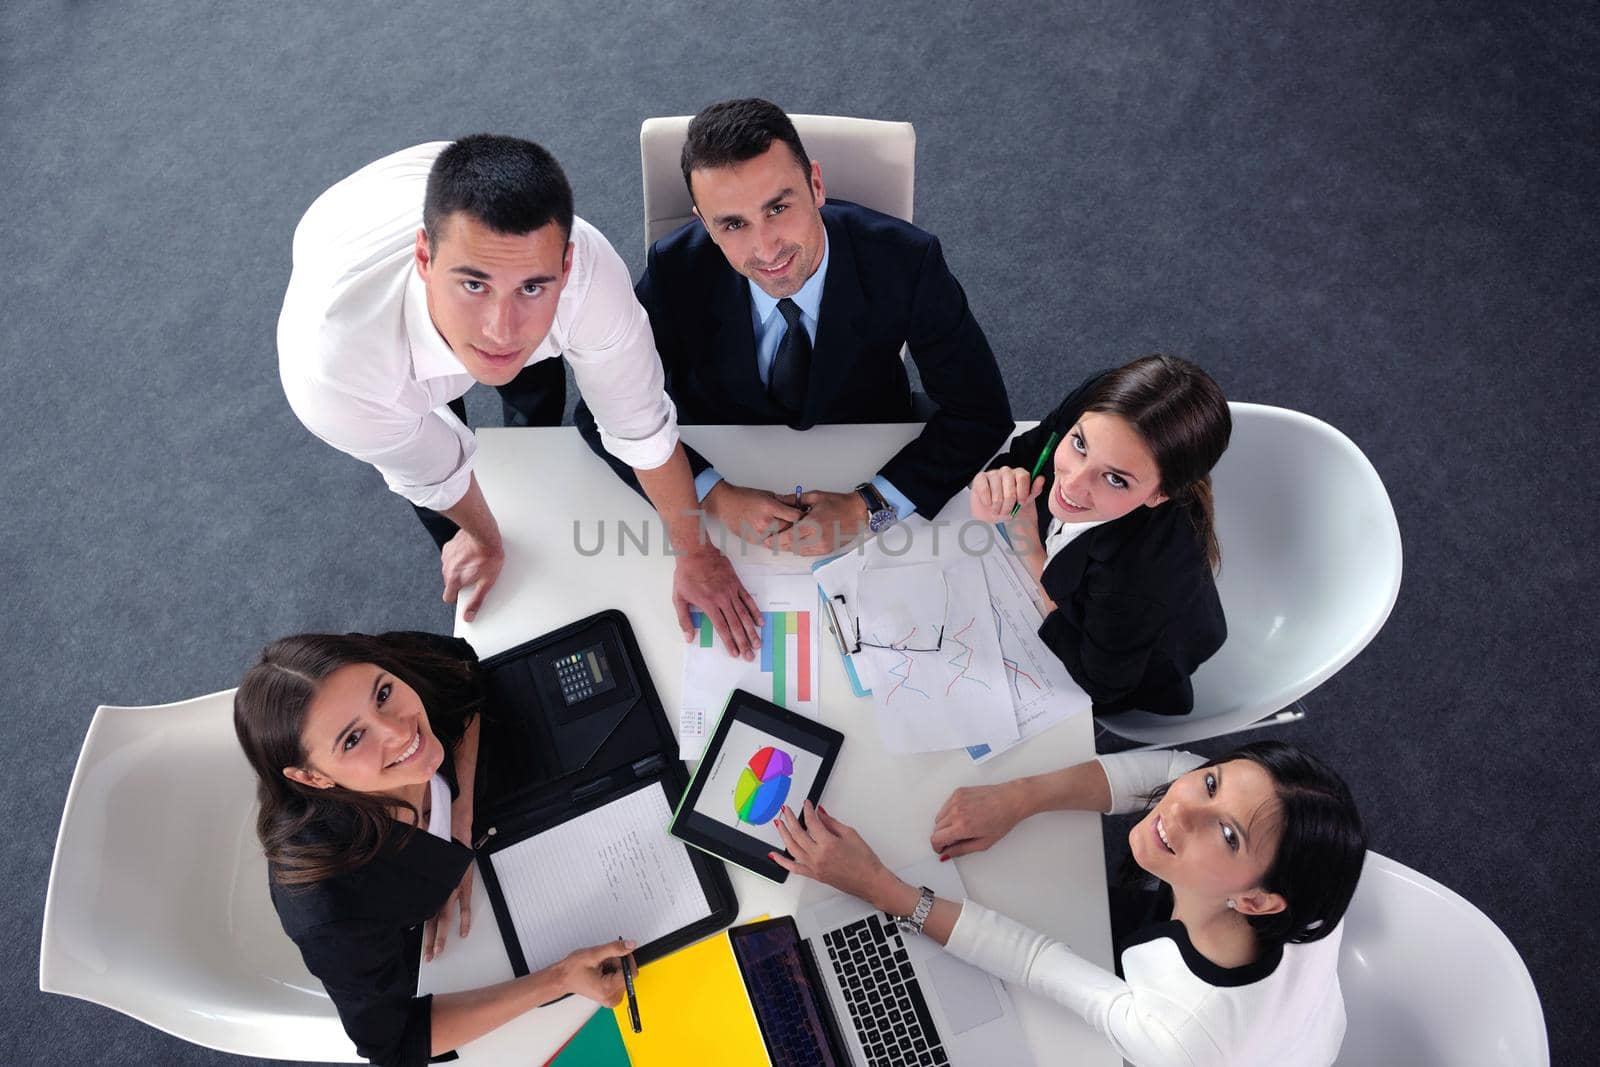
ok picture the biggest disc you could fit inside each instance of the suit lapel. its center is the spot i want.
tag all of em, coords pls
(1065, 572)
(734, 341)
(838, 342)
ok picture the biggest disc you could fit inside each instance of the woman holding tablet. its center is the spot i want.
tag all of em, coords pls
(1117, 529)
(1227, 956)
(364, 750)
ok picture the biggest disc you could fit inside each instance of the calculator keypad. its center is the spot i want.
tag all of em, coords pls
(576, 681)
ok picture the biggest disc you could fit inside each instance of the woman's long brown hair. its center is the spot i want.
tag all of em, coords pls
(1183, 417)
(269, 713)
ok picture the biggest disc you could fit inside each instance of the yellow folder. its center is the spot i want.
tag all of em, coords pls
(694, 1011)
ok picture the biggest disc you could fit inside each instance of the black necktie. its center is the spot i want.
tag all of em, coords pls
(791, 366)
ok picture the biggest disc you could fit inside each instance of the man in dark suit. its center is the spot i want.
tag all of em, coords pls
(776, 307)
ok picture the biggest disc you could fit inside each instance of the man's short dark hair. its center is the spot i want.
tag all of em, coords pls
(510, 185)
(736, 130)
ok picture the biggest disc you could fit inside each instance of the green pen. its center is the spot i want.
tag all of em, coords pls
(1037, 467)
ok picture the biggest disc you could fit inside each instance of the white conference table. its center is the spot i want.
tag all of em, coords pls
(545, 487)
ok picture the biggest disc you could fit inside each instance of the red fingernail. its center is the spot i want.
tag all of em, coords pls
(943, 858)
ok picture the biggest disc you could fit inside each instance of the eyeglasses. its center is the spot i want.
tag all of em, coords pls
(902, 645)
(897, 647)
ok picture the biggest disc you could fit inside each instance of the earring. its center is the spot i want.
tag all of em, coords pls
(1231, 903)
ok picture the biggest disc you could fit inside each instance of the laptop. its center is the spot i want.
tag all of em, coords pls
(838, 985)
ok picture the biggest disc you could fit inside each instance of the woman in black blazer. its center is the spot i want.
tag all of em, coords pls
(1118, 529)
(366, 850)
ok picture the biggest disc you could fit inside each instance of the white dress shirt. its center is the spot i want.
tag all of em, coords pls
(1061, 534)
(1175, 1008)
(439, 812)
(366, 371)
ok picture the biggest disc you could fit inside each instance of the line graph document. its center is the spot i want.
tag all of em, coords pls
(1038, 690)
(609, 872)
(928, 700)
(1042, 692)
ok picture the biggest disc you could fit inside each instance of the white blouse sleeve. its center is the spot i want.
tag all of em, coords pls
(1133, 775)
(1146, 1028)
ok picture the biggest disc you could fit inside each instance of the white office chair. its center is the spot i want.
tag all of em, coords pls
(867, 161)
(1310, 572)
(1429, 981)
(158, 903)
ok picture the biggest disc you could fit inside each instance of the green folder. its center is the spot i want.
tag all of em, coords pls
(597, 1044)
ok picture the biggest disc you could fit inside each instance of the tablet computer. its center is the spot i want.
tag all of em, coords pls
(759, 757)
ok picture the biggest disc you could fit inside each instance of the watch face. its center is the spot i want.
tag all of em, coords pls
(881, 520)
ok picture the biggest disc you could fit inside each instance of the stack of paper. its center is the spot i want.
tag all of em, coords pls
(941, 684)
(992, 682)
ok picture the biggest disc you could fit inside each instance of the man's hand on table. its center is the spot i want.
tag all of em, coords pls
(705, 579)
(751, 515)
(468, 561)
(834, 521)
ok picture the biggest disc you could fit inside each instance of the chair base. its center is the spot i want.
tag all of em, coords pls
(1293, 713)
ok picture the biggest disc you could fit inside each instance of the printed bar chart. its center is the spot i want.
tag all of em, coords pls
(785, 653)
(784, 671)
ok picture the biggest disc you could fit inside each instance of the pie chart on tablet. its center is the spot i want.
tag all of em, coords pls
(763, 785)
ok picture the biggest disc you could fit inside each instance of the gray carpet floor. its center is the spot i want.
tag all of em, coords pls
(1381, 214)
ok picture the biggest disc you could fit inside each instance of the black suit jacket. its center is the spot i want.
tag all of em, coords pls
(887, 285)
(1136, 607)
(360, 933)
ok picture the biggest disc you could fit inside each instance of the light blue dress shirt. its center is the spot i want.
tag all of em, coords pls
(769, 330)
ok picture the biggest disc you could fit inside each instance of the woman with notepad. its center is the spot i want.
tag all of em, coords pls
(364, 750)
(1227, 937)
(1108, 501)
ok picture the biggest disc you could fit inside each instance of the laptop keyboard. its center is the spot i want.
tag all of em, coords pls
(891, 1016)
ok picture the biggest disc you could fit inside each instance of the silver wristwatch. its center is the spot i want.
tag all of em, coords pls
(912, 924)
(880, 513)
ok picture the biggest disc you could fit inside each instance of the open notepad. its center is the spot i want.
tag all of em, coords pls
(608, 873)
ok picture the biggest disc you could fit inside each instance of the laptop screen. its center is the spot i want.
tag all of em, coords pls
(790, 1003)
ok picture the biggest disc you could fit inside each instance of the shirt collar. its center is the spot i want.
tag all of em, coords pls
(430, 355)
(808, 299)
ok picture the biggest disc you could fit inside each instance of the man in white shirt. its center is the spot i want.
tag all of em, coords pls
(456, 262)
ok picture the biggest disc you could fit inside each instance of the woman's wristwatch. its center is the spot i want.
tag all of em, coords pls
(912, 924)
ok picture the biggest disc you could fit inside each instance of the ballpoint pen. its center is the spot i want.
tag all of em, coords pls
(633, 999)
(833, 625)
(1037, 467)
